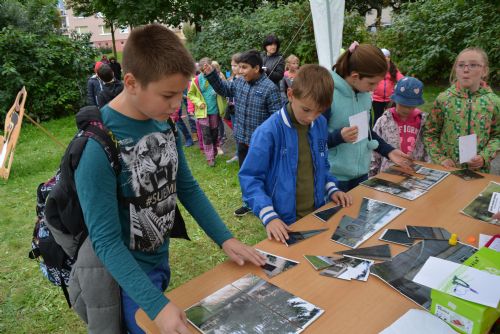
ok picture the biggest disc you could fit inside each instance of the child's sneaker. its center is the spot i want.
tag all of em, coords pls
(220, 151)
(189, 142)
(211, 163)
(242, 211)
(233, 159)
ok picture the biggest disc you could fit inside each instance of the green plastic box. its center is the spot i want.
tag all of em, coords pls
(464, 316)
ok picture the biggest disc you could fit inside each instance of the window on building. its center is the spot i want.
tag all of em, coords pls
(105, 29)
(82, 29)
(124, 30)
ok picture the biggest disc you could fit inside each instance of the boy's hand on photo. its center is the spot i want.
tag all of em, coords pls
(349, 134)
(207, 69)
(341, 198)
(278, 230)
(401, 159)
(240, 253)
(448, 163)
(476, 162)
(172, 320)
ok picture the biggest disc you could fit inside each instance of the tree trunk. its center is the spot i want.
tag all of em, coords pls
(378, 20)
(113, 42)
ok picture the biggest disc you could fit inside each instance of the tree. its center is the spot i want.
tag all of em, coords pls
(53, 67)
(427, 35)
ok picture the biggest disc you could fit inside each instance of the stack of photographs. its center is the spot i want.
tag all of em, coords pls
(349, 268)
(298, 236)
(276, 264)
(320, 262)
(413, 186)
(400, 271)
(252, 305)
(373, 215)
(481, 207)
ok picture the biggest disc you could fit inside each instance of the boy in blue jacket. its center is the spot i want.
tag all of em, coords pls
(288, 157)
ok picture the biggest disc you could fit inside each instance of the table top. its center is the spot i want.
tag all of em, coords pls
(350, 306)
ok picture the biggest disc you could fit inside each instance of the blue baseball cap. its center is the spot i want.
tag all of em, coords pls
(409, 92)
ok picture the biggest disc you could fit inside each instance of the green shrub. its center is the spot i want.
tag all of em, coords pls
(427, 35)
(233, 32)
(53, 67)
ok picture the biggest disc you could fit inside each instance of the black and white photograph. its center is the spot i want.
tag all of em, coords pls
(399, 237)
(252, 305)
(400, 271)
(378, 252)
(276, 264)
(325, 215)
(298, 236)
(393, 188)
(373, 215)
(349, 268)
(467, 174)
(427, 232)
(478, 208)
(432, 174)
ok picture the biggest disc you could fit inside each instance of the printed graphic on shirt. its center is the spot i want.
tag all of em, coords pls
(152, 164)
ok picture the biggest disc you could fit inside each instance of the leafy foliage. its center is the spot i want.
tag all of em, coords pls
(232, 32)
(427, 36)
(53, 67)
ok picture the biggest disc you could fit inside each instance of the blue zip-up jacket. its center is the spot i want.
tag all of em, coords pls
(268, 176)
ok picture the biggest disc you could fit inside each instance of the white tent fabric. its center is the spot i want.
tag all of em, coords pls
(328, 22)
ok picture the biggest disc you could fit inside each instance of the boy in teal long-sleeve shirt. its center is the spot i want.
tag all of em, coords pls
(130, 231)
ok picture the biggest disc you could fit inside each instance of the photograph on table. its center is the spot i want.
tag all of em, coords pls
(399, 237)
(378, 252)
(251, 303)
(400, 271)
(276, 264)
(467, 174)
(325, 215)
(349, 268)
(427, 232)
(373, 215)
(321, 262)
(393, 188)
(298, 236)
(434, 175)
(484, 206)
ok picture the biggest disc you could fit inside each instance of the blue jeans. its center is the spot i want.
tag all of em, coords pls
(345, 186)
(160, 277)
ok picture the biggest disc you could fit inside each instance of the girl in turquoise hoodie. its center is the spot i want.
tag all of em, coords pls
(356, 73)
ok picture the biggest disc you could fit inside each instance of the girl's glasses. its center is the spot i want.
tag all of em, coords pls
(469, 66)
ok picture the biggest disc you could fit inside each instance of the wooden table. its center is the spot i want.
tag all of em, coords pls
(350, 306)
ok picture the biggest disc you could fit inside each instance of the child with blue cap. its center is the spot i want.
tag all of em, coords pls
(401, 125)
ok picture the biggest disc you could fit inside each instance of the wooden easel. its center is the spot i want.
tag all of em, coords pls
(13, 122)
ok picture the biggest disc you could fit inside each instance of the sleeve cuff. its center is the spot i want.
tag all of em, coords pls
(155, 308)
(331, 187)
(267, 214)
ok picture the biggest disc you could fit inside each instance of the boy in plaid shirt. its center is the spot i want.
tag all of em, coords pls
(256, 98)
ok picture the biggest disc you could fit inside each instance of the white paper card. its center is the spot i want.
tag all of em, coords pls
(494, 206)
(460, 281)
(418, 322)
(483, 239)
(467, 147)
(361, 121)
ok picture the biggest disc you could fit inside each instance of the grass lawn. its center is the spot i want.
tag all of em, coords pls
(28, 302)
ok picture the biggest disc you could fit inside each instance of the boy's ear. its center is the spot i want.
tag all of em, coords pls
(289, 93)
(130, 83)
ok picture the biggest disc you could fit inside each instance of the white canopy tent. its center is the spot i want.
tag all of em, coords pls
(328, 22)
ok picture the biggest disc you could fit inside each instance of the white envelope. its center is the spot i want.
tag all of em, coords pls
(360, 120)
(467, 147)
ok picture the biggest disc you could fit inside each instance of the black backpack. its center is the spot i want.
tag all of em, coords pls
(60, 229)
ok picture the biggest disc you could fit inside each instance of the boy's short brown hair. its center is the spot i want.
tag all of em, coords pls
(153, 51)
(314, 82)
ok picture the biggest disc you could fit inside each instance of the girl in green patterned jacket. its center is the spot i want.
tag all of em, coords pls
(469, 106)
